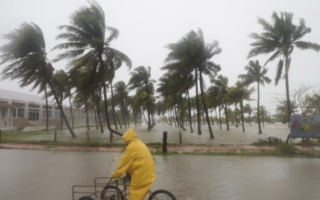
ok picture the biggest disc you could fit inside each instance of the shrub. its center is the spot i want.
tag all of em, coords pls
(286, 148)
(269, 141)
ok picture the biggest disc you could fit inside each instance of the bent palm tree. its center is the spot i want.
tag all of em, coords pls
(255, 73)
(28, 62)
(280, 38)
(86, 44)
(142, 82)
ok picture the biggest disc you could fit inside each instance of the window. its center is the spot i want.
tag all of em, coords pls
(18, 113)
(21, 113)
(44, 114)
(57, 114)
(33, 115)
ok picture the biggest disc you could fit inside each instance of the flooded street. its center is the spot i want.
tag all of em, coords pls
(50, 175)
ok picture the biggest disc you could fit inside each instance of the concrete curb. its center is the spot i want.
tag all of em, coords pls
(193, 149)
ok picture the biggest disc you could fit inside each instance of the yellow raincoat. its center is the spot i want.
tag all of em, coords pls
(138, 162)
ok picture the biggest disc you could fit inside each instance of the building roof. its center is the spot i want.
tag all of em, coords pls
(17, 96)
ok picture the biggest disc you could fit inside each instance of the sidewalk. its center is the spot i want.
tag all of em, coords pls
(196, 149)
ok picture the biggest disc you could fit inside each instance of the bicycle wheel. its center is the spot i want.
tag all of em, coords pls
(111, 193)
(161, 195)
(86, 198)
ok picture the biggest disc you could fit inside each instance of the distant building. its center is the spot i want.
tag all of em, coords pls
(22, 110)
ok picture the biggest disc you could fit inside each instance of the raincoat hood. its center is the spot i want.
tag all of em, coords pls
(129, 136)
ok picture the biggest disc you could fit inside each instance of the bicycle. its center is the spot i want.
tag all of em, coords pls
(115, 190)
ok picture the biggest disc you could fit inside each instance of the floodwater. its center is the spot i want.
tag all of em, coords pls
(50, 175)
(234, 136)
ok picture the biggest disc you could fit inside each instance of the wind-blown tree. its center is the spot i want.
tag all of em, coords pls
(248, 109)
(86, 45)
(245, 95)
(264, 114)
(240, 93)
(313, 103)
(59, 82)
(279, 38)
(221, 89)
(173, 86)
(281, 110)
(255, 74)
(121, 97)
(141, 81)
(191, 54)
(43, 87)
(26, 58)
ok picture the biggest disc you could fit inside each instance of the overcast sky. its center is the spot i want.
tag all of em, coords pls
(147, 26)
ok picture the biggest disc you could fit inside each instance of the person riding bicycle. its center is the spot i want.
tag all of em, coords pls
(138, 162)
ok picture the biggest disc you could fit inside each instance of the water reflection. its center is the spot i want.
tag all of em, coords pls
(50, 175)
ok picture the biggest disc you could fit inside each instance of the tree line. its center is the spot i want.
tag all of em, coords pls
(93, 62)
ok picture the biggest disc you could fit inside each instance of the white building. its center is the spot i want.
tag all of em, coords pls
(22, 110)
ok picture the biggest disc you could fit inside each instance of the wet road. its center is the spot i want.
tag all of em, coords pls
(50, 175)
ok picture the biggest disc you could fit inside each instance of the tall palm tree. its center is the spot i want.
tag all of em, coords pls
(280, 37)
(59, 82)
(121, 96)
(141, 81)
(263, 113)
(255, 74)
(27, 60)
(241, 93)
(192, 54)
(221, 89)
(87, 46)
(248, 109)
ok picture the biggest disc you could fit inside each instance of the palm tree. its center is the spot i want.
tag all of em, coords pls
(121, 96)
(87, 47)
(255, 73)
(141, 81)
(280, 38)
(59, 82)
(26, 54)
(263, 113)
(313, 103)
(282, 112)
(248, 109)
(221, 89)
(242, 93)
(192, 54)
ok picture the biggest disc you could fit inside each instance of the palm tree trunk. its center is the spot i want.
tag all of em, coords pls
(215, 110)
(220, 116)
(189, 110)
(59, 105)
(287, 65)
(134, 118)
(98, 111)
(258, 107)
(226, 111)
(47, 109)
(87, 117)
(112, 107)
(107, 112)
(197, 103)
(241, 110)
(123, 114)
(116, 114)
(205, 107)
(61, 121)
(71, 110)
(236, 115)
(95, 115)
(149, 110)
